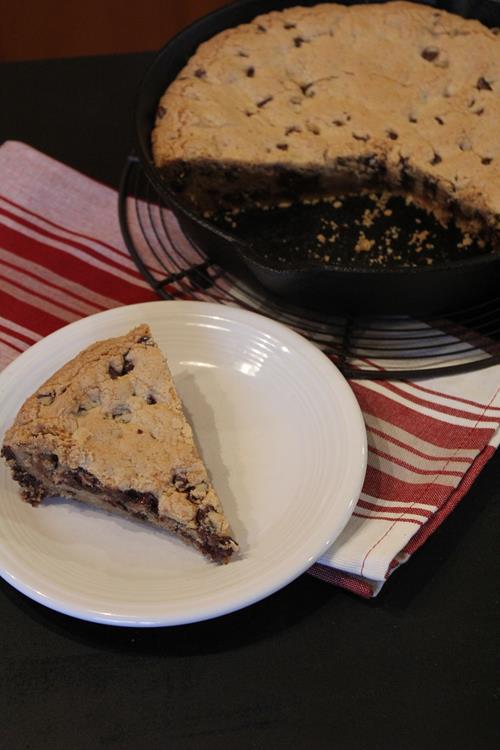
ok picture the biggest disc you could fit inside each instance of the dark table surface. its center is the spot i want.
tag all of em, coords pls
(312, 666)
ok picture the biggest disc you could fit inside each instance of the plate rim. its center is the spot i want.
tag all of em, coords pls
(201, 309)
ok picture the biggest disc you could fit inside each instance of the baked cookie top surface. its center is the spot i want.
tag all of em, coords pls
(401, 81)
(113, 411)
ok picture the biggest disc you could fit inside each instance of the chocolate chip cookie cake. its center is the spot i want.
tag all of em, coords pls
(108, 429)
(312, 102)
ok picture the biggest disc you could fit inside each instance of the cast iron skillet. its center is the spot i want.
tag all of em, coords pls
(342, 286)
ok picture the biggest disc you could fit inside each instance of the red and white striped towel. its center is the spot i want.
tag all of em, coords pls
(62, 257)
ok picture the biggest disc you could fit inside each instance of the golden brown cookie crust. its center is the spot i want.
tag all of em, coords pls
(415, 89)
(111, 418)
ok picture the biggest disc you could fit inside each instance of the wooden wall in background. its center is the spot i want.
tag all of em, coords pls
(37, 29)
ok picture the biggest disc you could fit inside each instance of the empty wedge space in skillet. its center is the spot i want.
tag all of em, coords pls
(108, 429)
(302, 104)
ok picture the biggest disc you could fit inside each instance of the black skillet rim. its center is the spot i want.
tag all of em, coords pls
(244, 247)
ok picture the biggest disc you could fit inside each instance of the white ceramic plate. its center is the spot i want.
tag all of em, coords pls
(282, 436)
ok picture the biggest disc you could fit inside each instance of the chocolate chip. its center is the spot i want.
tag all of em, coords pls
(146, 340)
(439, 120)
(194, 492)
(198, 492)
(369, 161)
(313, 128)
(84, 478)
(307, 89)
(265, 101)
(430, 53)
(127, 366)
(151, 399)
(218, 548)
(282, 146)
(479, 111)
(250, 72)
(338, 123)
(180, 481)
(8, 453)
(121, 410)
(140, 432)
(483, 85)
(436, 159)
(161, 112)
(299, 41)
(486, 160)
(34, 491)
(146, 499)
(200, 73)
(46, 398)
(202, 516)
(24, 478)
(392, 135)
(54, 460)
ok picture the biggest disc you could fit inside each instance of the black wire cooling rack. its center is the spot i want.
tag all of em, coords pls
(385, 347)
